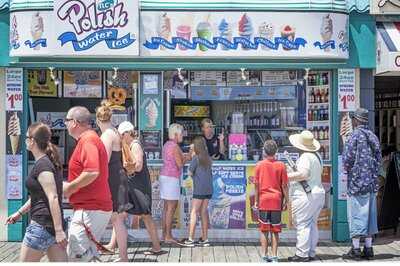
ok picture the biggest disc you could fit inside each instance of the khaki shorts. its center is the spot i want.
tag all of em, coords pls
(80, 247)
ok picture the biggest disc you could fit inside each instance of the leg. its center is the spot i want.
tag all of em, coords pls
(121, 235)
(164, 220)
(314, 235)
(152, 230)
(171, 208)
(29, 254)
(196, 207)
(302, 220)
(264, 243)
(204, 219)
(275, 240)
(57, 253)
(113, 241)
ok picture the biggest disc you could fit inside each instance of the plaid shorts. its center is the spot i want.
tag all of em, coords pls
(270, 221)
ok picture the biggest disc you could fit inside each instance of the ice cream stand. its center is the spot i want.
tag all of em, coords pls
(277, 70)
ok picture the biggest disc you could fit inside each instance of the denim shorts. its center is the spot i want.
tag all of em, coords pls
(362, 215)
(37, 237)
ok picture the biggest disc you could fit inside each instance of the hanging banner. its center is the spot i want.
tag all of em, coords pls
(347, 90)
(266, 34)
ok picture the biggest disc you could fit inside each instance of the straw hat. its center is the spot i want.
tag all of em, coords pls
(305, 141)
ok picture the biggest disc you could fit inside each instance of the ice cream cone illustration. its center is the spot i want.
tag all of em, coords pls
(14, 36)
(326, 30)
(245, 28)
(204, 31)
(288, 33)
(345, 128)
(37, 28)
(164, 28)
(14, 132)
(225, 32)
(266, 30)
(152, 114)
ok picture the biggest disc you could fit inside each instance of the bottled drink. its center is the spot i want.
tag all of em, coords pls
(317, 96)
(321, 133)
(315, 114)
(312, 96)
(310, 114)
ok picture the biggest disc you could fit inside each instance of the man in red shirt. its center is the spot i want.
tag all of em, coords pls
(87, 187)
(270, 198)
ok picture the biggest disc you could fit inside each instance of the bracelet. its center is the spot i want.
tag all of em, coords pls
(20, 213)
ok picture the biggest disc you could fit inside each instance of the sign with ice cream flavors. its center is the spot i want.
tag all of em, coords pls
(268, 34)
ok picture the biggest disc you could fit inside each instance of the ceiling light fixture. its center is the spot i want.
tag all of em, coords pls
(53, 76)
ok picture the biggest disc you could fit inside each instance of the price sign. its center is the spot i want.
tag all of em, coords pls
(347, 90)
(14, 86)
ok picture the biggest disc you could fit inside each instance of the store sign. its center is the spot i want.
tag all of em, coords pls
(385, 7)
(14, 86)
(267, 34)
(347, 90)
(77, 28)
(40, 84)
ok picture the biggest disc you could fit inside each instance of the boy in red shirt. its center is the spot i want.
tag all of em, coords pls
(271, 197)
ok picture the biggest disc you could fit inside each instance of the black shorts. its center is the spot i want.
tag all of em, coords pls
(202, 197)
(270, 221)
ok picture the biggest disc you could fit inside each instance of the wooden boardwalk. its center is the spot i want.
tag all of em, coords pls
(386, 249)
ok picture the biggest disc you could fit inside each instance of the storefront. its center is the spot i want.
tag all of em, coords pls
(387, 105)
(257, 71)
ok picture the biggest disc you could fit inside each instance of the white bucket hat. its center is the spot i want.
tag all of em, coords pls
(305, 141)
(125, 126)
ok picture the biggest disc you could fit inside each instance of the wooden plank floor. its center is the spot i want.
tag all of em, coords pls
(386, 249)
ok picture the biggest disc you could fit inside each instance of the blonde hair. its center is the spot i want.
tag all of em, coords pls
(174, 129)
(104, 111)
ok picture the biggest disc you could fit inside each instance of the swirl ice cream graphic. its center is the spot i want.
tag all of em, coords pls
(245, 28)
(37, 28)
(204, 31)
(164, 28)
(14, 36)
(289, 33)
(14, 132)
(151, 114)
(266, 30)
(326, 31)
(225, 32)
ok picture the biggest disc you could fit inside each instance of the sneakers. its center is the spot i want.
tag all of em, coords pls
(353, 254)
(296, 258)
(203, 243)
(367, 253)
(188, 243)
(273, 259)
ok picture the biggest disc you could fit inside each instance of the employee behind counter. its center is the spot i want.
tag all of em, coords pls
(215, 144)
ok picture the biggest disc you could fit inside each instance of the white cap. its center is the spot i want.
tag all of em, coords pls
(125, 127)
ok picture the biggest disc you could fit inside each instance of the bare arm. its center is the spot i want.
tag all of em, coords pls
(84, 179)
(137, 154)
(179, 158)
(285, 196)
(256, 197)
(18, 214)
(46, 180)
(108, 138)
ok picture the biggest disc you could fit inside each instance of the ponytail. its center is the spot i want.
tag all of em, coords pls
(52, 152)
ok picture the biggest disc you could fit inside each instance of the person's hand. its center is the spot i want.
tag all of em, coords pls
(284, 206)
(13, 218)
(61, 238)
(67, 189)
(255, 206)
(221, 137)
(289, 169)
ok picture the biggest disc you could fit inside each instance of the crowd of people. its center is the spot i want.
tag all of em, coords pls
(108, 178)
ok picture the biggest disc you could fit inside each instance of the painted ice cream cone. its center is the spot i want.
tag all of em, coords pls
(14, 132)
(288, 33)
(152, 114)
(225, 32)
(204, 31)
(326, 30)
(245, 28)
(266, 30)
(164, 28)
(37, 28)
(345, 128)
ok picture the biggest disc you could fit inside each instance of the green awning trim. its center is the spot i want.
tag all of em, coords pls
(254, 5)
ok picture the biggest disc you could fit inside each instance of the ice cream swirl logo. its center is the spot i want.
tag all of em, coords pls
(326, 34)
(37, 30)
(100, 18)
(14, 36)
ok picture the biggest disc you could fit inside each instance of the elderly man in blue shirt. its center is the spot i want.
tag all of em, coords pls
(362, 160)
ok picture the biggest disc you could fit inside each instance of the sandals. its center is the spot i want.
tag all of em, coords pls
(153, 253)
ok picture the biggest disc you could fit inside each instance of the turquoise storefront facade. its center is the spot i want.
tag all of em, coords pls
(361, 55)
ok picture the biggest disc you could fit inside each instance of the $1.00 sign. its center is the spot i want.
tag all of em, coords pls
(347, 90)
(14, 86)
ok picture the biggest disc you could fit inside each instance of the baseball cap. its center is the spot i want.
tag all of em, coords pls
(125, 127)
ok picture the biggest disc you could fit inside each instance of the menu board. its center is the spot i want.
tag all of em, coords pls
(191, 111)
(82, 84)
(208, 78)
(235, 78)
(40, 84)
(270, 78)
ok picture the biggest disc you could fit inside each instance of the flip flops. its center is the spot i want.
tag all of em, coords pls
(153, 253)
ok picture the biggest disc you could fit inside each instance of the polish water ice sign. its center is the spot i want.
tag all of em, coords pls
(96, 27)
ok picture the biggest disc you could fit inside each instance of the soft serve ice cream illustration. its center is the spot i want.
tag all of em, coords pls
(151, 114)
(266, 30)
(164, 27)
(326, 30)
(225, 32)
(14, 132)
(37, 28)
(245, 28)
